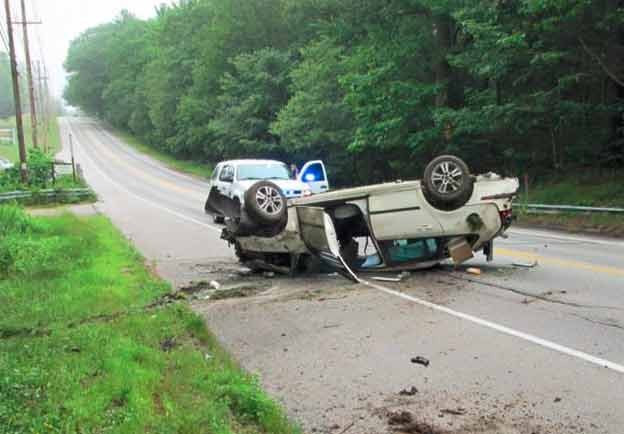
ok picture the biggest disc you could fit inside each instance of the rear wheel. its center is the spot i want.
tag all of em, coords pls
(447, 183)
(265, 203)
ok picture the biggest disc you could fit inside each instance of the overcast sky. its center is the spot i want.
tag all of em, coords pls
(63, 20)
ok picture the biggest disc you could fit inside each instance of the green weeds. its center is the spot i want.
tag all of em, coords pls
(87, 346)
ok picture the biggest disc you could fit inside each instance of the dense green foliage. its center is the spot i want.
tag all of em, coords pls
(85, 348)
(39, 173)
(374, 87)
(7, 106)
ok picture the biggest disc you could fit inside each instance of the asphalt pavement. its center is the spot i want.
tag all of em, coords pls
(535, 344)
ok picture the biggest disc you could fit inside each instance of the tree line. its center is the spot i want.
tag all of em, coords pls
(7, 105)
(373, 87)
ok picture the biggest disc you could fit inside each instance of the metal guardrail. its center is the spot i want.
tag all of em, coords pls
(567, 208)
(50, 193)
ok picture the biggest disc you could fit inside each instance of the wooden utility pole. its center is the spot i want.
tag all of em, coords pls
(16, 95)
(42, 104)
(31, 87)
(46, 102)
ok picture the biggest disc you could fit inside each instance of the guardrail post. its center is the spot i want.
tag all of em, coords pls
(73, 161)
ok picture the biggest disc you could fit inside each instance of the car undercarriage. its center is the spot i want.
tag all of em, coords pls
(392, 226)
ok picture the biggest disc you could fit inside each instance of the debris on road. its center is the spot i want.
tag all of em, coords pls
(420, 361)
(525, 264)
(409, 392)
(557, 399)
(269, 274)
(214, 284)
(386, 279)
(473, 270)
(454, 411)
(400, 417)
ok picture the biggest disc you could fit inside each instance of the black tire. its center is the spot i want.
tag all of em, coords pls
(447, 183)
(265, 204)
(240, 253)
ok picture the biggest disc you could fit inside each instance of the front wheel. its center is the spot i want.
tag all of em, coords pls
(447, 183)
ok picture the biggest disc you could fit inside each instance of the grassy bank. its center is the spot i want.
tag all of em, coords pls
(584, 189)
(89, 343)
(195, 168)
(599, 224)
(52, 138)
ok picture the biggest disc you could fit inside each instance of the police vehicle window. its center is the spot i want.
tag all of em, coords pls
(314, 173)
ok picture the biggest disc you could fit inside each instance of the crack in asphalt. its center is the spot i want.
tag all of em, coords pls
(532, 295)
(599, 322)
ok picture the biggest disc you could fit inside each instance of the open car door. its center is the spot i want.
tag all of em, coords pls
(314, 174)
(319, 235)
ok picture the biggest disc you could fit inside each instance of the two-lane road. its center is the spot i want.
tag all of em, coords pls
(516, 350)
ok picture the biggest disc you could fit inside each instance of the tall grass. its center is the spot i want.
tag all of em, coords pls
(14, 221)
(82, 342)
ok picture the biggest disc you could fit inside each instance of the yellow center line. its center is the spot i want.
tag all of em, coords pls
(150, 178)
(516, 254)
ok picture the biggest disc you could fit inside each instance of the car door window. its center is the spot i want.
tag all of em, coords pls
(215, 173)
(227, 174)
(314, 173)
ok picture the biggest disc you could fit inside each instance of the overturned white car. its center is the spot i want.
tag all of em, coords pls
(401, 225)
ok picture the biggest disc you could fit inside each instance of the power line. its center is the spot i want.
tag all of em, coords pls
(4, 39)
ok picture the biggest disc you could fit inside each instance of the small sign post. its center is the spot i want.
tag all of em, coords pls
(73, 161)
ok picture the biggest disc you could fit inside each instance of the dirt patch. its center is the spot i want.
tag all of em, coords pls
(403, 422)
(328, 293)
(14, 333)
(195, 287)
(399, 418)
(168, 344)
(240, 291)
(225, 270)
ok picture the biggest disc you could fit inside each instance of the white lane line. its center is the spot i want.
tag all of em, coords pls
(124, 189)
(491, 325)
(589, 240)
(506, 330)
(482, 322)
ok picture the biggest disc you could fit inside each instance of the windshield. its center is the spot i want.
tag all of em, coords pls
(262, 171)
